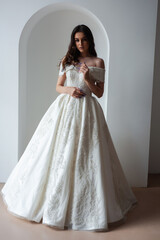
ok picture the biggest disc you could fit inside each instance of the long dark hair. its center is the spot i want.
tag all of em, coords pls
(73, 53)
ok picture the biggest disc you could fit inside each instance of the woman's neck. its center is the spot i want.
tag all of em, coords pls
(82, 58)
(85, 55)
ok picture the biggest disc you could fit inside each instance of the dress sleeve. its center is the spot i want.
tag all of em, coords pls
(61, 70)
(97, 74)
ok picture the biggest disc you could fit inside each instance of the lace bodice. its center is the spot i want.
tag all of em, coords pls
(75, 78)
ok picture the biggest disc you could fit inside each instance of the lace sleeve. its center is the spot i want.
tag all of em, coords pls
(97, 74)
(61, 70)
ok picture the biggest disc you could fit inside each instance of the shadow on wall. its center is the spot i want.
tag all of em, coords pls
(43, 42)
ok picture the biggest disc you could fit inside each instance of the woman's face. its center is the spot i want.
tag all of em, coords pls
(81, 42)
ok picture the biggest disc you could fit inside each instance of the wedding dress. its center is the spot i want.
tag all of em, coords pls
(69, 174)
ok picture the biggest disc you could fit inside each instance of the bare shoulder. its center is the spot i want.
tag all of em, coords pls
(100, 63)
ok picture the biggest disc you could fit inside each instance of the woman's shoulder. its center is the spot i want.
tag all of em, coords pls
(98, 71)
(99, 62)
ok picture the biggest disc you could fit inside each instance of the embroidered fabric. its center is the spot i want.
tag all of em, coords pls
(97, 74)
(70, 174)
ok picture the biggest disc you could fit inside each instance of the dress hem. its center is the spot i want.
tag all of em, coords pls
(69, 227)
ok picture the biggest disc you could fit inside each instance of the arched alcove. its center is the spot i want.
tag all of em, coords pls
(43, 42)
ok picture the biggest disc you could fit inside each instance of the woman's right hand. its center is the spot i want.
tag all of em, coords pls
(76, 92)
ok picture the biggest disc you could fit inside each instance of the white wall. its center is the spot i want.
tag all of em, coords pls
(131, 29)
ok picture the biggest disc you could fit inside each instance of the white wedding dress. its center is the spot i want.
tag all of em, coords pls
(70, 174)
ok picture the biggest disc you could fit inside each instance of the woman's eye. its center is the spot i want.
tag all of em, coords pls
(84, 39)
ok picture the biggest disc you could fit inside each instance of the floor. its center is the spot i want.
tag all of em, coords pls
(143, 222)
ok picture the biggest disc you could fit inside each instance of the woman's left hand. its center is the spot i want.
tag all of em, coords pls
(85, 70)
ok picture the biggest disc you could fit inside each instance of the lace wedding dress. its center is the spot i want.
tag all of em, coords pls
(70, 174)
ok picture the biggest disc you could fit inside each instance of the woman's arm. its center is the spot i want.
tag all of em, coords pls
(97, 89)
(72, 91)
(60, 84)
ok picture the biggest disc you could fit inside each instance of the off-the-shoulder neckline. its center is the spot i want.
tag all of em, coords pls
(96, 67)
(91, 67)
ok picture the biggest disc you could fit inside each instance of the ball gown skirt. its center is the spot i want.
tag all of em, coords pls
(69, 174)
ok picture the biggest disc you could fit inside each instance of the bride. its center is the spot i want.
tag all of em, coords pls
(69, 174)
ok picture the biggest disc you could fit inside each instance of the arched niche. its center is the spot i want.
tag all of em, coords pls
(43, 42)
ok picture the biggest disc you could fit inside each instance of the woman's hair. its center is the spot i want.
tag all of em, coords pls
(73, 53)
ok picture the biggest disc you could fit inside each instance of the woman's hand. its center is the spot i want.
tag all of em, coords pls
(85, 70)
(75, 92)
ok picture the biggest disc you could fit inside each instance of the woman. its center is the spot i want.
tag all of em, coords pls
(69, 174)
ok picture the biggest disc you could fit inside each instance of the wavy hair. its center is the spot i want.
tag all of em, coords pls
(73, 53)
